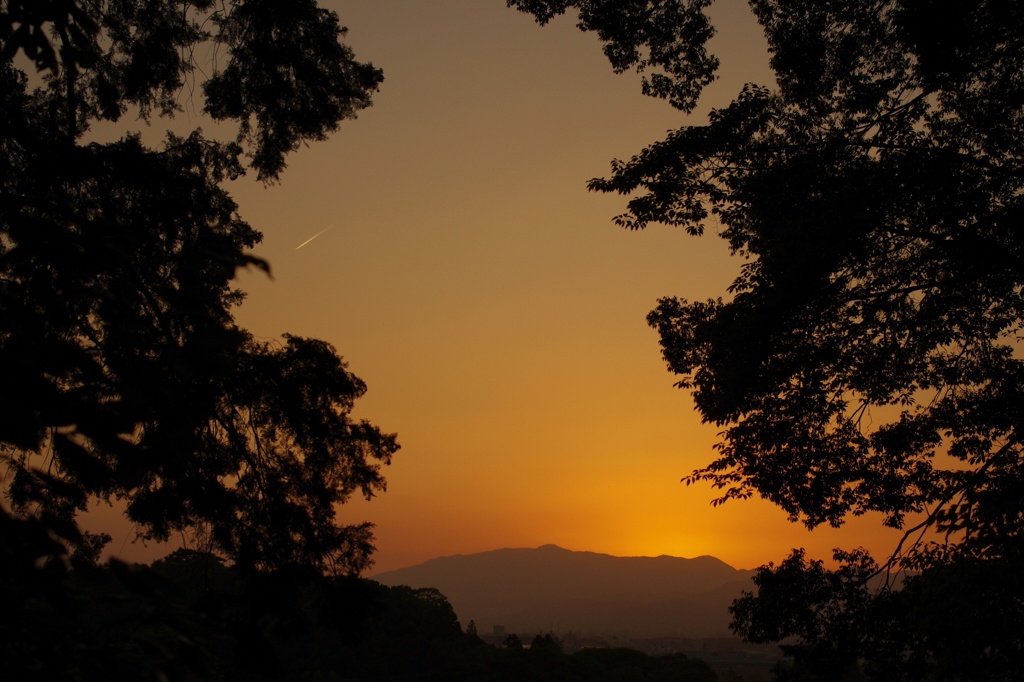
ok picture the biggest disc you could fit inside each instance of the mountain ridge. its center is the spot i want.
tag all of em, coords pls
(549, 587)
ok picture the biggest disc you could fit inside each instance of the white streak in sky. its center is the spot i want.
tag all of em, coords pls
(312, 238)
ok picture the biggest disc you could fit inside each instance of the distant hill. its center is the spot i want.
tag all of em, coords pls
(554, 589)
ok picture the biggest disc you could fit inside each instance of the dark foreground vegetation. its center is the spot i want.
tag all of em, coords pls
(189, 617)
(867, 360)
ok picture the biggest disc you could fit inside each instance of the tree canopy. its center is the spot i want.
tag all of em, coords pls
(125, 374)
(662, 40)
(868, 357)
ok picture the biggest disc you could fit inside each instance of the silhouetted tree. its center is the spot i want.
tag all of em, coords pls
(125, 374)
(546, 645)
(661, 39)
(867, 358)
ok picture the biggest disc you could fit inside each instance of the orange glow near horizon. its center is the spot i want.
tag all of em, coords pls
(493, 309)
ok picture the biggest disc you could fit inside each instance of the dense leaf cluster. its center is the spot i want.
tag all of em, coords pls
(868, 356)
(125, 374)
(661, 39)
(951, 622)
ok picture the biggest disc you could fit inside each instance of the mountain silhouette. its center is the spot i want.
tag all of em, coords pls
(555, 589)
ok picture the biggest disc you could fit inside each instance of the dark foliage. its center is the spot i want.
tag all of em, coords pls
(65, 619)
(190, 617)
(868, 357)
(662, 39)
(125, 374)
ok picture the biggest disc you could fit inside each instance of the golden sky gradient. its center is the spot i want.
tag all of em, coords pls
(489, 303)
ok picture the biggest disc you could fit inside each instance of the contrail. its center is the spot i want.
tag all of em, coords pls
(312, 238)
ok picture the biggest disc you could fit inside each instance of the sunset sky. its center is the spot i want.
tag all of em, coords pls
(486, 298)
